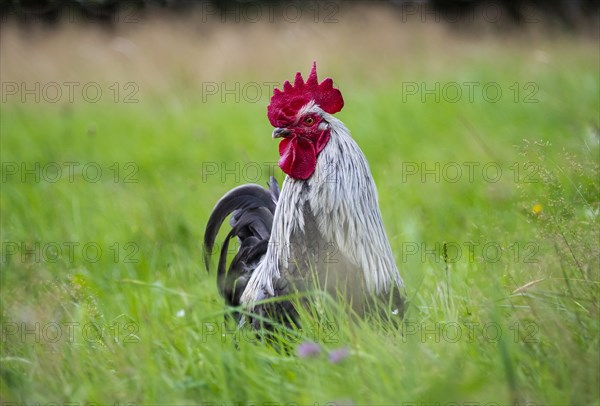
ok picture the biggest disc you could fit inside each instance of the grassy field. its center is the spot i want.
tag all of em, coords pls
(490, 200)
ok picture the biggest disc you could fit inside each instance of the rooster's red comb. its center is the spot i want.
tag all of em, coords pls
(285, 104)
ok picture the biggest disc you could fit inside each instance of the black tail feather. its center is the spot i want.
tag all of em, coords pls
(253, 207)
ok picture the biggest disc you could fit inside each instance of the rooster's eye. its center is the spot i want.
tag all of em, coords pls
(309, 120)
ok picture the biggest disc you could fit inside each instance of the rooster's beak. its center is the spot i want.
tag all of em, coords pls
(280, 132)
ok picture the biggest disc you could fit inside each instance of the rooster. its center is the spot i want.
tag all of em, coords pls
(323, 229)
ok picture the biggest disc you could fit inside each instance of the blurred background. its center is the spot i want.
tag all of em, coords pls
(122, 124)
(568, 12)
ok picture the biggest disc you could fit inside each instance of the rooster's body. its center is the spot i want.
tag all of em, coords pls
(323, 229)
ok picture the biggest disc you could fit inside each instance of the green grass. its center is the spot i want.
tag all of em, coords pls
(514, 319)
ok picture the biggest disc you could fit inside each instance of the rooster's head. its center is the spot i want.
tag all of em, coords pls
(299, 115)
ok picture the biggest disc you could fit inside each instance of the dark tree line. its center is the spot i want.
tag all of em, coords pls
(568, 12)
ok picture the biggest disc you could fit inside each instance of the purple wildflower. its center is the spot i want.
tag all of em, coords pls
(308, 349)
(338, 355)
